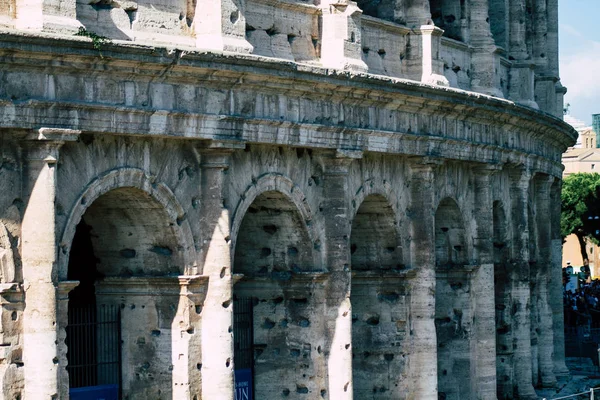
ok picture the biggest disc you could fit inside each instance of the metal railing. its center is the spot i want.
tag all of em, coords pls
(583, 395)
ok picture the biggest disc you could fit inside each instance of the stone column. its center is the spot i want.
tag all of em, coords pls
(341, 38)
(484, 61)
(221, 25)
(335, 209)
(39, 253)
(522, 77)
(422, 361)
(187, 338)
(552, 37)
(417, 13)
(217, 336)
(519, 188)
(483, 287)
(544, 244)
(555, 287)
(431, 65)
(63, 290)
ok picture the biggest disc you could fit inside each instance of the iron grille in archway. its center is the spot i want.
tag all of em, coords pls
(94, 350)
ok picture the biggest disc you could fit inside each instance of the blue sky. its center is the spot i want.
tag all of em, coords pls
(579, 35)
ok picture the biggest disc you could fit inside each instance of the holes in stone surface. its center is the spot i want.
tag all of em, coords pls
(381, 52)
(346, 386)
(283, 323)
(272, 31)
(365, 50)
(301, 389)
(156, 332)
(13, 316)
(304, 323)
(268, 324)
(270, 229)
(388, 357)
(226, 304)
(302, 300)
(222, 274)
(373, 321)
(228, 362)
(250, 28)
(291, 38)
(234, 16)
(323, 393)
(127, 253)
(161, 250)
(352, 37)
(295, 353)
(286, 392)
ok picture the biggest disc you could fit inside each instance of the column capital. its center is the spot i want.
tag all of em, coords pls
(424, 164)
(338, 161)
(64, 288)
(44, 143)
(217, 153)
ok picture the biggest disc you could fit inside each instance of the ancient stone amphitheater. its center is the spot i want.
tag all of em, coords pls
(219, 199)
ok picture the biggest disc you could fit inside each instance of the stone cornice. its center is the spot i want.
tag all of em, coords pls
(126, 61)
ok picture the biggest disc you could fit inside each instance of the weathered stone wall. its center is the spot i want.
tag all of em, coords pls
(395, 238)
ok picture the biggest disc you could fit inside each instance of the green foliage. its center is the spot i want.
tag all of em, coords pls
(580, 204)
(97, 40)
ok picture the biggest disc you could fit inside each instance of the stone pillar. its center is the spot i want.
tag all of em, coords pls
(341, 38)
(484, 343)
(55, 16)
(522, 77)
(484, 61)
(217, 336)
(517, 40)
(39, 253)
(187, 338)
(221, 25)
(555, 287)
(11, 309)
(422, 360)
(552, 37)
(338, 309)
(64, 288)
(417, 13)
(544, 245)
(431, 65)
(519, 188)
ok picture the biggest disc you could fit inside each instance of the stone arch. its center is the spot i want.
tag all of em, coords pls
(136, 179)
(451, 246)
(453, 302)
(276, 269)
(127, 243)
(376, 198)
(378, 290)
(503, 300)
(451, 16)
(277, 183)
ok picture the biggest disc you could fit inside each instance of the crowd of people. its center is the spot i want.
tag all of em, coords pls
(581, 300)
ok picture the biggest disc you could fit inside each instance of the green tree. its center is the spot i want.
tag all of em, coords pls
(581, 209)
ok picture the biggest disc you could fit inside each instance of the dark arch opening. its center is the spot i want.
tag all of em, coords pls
(378, 301)
(453, 303)
(451, 16)
(274, 300)
(126, 256)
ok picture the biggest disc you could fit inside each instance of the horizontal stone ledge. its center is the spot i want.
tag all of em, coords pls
(99, 119)
(182, 285)
(238, 69)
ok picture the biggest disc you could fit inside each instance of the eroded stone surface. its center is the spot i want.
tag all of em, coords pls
(348, 171)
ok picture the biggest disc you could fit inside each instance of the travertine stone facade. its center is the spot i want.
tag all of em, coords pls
(350, 199)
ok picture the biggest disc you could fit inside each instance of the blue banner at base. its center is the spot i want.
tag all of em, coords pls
(243, 384)
(102, 392)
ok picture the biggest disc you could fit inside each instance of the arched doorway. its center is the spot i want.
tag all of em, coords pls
(504, 305)
(379, 316)
(274, 301)
(453, 308)
(126, 255)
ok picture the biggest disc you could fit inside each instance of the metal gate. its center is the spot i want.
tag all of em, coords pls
(94, 352)
(243, 352)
